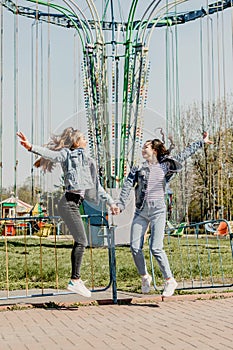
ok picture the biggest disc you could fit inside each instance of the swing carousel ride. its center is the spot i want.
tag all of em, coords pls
(112, 59)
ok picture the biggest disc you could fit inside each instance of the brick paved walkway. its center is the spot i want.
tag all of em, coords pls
(177, 323)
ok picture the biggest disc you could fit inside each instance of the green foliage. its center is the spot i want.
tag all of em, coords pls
(24, 193)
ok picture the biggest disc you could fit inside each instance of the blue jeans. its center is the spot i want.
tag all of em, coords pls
(153, 213)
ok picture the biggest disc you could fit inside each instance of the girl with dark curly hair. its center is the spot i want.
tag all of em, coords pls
(149, 181)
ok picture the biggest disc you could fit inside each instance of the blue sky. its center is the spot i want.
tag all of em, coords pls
(63, 69)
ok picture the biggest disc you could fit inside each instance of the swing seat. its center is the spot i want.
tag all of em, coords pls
(45, 230)
(211, 228)
(179, 231)
(222, 229)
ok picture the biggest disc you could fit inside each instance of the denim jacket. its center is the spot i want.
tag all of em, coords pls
(79, 172)
(139, 175)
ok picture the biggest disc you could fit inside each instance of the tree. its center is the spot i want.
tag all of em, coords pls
(204, 189)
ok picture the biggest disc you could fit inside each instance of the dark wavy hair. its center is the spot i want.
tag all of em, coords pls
(158, 146)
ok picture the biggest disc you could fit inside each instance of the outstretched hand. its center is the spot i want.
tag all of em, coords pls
(23, 140)
(206, 138)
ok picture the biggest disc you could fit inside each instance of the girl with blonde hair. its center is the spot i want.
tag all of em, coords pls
(81, 182)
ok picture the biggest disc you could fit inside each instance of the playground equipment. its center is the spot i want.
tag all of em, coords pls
(115, 69)
(114, 52)
(175, 231)
(219, 228)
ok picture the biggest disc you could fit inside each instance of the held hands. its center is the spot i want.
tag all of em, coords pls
(206, 138)
(114, 209)
(23, 140)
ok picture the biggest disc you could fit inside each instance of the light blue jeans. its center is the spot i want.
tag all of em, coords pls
(153, 213)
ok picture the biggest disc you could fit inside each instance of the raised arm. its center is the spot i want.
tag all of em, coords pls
(24, 141)
(193, 148)
(54, 156)
(206, 138)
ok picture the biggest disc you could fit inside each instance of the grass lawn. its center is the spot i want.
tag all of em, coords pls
(32, 262)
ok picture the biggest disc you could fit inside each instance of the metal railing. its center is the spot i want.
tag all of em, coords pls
(200, 257)
(41, 227)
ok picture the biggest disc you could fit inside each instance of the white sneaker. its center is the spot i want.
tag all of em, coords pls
(169, 287)
(146, 281)
(79, 288)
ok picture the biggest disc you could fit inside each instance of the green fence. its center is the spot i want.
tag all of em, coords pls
(200, 254)
(35, 257)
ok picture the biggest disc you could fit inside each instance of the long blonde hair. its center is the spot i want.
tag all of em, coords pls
(66, 139)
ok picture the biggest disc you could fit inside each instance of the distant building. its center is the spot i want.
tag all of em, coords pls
(14, 207)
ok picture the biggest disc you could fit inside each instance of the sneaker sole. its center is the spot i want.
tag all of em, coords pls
(147, 290)
(72, 289)
(167, 296)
